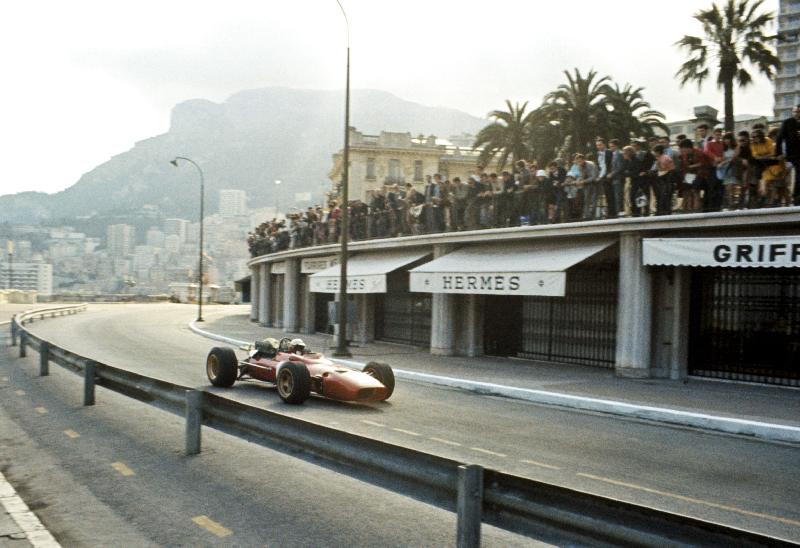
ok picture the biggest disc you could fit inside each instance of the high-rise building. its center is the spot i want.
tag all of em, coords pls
(787, 82)
(176, 227)
(27, 277)
(232, 202)
(121, 239)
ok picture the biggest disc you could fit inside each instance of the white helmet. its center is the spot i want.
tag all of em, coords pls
(297, 346)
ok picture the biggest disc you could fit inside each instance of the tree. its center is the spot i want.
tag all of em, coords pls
(507, 137)
(734, 35)
(629, 114)
(578, 107)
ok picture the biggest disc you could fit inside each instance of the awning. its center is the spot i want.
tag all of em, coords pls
(365, 273)
(742, 252)
(503, 269)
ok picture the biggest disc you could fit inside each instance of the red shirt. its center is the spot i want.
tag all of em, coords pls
(714, 148)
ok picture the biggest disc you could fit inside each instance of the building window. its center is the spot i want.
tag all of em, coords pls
(417, 170)
(395, 175)
(370, 168)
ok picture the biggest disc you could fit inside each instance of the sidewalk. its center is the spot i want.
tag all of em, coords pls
(565, 384)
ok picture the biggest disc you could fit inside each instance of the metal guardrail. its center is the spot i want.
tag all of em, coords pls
(540, 510)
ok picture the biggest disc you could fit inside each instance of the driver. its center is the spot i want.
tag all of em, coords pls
(297, 346)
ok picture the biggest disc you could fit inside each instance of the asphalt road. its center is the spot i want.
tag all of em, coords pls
(726, 479)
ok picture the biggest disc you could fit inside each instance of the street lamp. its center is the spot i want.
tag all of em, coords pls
(10, 251)
(277, 198)
(200, 261)
(341, 341)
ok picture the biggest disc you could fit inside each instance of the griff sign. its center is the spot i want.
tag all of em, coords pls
(550, 284)
(774, 251)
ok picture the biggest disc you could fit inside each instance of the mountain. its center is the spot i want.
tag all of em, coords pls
(249, 141)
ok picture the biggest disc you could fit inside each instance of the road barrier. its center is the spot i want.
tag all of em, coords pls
(478, 495)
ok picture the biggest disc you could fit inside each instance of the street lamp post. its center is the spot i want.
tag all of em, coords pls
(277, 198)
(10, 250)
(341, 341)
(200, 261)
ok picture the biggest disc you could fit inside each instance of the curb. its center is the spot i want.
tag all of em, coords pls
(760, 430)
(30, 526)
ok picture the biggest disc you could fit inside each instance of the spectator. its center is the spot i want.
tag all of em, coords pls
(695, 169)
(604, 186)
(585, 174)
(664, 180)
(556, 175)
(641, 184)
(730, 171)
(787, 145)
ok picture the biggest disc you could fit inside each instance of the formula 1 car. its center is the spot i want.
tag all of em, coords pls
(297, 373)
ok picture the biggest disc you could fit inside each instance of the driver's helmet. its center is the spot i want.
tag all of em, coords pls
(297, 346)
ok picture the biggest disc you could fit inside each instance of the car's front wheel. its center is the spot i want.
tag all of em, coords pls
(222, 367)
(294, 382)
(383, 373)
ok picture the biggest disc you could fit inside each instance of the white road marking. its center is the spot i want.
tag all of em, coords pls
(692, 500)
(41, 410)
(543, 465)
(19, 392)
(29, 524)
(373, 423)
(72, 434)
(409, 432)
(446, 442)
(493, 453)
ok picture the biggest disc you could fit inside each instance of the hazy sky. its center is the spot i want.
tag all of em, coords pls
(84, 80)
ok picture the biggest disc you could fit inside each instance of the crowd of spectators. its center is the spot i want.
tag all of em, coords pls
(716, 171)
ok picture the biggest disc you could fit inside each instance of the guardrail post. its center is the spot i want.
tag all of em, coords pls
(194, 420)
(469, 506)
(44, 359)
(13, 333)
(23, 340)
(88, 383)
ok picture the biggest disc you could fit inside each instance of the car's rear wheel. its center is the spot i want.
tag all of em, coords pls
(383, 373)
(294, 382)
(222, 367)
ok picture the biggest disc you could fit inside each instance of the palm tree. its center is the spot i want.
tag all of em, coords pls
(733, 34)
(629, 114)
(578, 106)
(507, 137)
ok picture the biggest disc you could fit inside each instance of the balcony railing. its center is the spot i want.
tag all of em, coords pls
(502, 210)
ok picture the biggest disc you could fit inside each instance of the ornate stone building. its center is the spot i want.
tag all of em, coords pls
(398, 158)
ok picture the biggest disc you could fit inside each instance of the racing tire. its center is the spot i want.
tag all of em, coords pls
(293, 382)
(222, 367)
(383, 373)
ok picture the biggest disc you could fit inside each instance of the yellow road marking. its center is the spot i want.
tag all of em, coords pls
(373, 423)
(212, 526)
(122, 468)
(19, 392)
(41, 410)
(447, 442)
(694, 501)
(543, 465)
(72, 434)
(409, 432)
(493, 453)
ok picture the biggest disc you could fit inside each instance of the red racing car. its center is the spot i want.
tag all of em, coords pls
(297, 373)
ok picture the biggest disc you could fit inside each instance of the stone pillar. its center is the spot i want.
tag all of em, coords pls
(443, 315)
(308, 305)
(366, 318)
(634, 314)
(473, 326)
(265, 296)
(255, 271)
(291, 289)
(681, 299)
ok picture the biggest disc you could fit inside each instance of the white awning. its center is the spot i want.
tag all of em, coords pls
(742, 252)
(365, 273)
(503, 269)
